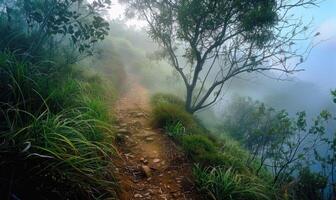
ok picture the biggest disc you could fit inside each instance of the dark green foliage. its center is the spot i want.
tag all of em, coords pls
(175, 130)
(55, 137)
(197, 144)
(333, 93)
(56, 143)
(309, 185)
(165, 113)
(169, 112)
(32, 24)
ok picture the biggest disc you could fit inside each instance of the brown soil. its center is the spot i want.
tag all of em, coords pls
(144, 150)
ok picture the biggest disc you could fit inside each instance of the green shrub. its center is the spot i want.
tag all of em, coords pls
(197, 145)
(160, 98)
(224, 184)
(175, 130)
(309, 185)
(201, 150)
(163, 114)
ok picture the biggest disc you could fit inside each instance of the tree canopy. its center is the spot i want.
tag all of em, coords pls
(209, 42)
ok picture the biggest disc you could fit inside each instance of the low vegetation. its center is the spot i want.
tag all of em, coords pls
(220, 169)
(54, 140)
(55, 132)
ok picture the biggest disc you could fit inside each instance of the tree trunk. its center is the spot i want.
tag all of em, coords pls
(188, 102)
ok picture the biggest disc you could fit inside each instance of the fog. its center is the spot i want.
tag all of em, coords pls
(308, 90)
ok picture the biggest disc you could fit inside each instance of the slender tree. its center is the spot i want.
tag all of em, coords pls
(209, 42)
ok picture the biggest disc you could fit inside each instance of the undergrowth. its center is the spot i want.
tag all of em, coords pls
(220, 163)
(54, 132)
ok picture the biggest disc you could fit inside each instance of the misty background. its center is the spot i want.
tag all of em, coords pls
(308, 90)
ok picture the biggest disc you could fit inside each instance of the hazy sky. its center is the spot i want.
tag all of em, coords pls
(321, 65)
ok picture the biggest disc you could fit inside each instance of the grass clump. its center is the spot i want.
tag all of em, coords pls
(165, 113)
(202, 150)
(169, 113)
(225, 184)
(160, 98)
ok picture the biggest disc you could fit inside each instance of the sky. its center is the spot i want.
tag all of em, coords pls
(321, 65)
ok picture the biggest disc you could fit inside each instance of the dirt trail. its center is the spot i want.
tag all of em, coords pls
(151, 166)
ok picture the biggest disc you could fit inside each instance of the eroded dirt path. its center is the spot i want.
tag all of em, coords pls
(150, 164)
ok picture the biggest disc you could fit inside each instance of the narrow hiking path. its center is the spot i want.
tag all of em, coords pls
(150, 164)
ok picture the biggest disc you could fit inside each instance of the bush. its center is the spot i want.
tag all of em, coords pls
(202, 150)
(309, 185)
(160, 98)
(175, 130)
(195, 145)
(224, 184)
(164, 114)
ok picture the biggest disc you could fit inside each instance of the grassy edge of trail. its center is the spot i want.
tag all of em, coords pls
(55, 131)
(220, 171)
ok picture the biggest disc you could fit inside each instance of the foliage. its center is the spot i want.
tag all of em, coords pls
(225, 184)
(310, 185)
(55, 137)
(220, 154)
(280, 142)
(175, 130)
(55, 143)
(326, 157)
(160, 98)
(29, 25)
(164, 114)
(210, 42)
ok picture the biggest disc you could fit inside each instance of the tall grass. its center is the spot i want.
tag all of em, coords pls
(225, 184)
(55, 134)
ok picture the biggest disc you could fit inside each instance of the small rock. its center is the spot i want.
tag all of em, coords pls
(148, 133)
(140, 115)
(149, 139)
(156, 160)
(146, 170)
(154, 167)
(147, 194)
(137, 196)
(123, 131)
